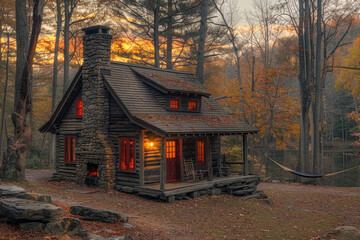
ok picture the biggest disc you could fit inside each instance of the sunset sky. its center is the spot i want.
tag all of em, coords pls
(246, 4)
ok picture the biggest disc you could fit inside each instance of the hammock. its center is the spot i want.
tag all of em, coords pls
(310, 175)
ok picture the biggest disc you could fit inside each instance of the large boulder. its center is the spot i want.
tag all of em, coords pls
(21, 210)
(92, 214)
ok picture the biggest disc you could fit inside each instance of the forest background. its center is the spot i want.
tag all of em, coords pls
(288, 67)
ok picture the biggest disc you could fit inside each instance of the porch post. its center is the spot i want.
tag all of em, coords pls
(181, 159)
(246, 166)
(141, 165)
(209, 159)
(162, 165)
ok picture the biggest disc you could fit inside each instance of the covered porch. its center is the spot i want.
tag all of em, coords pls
(168, 160)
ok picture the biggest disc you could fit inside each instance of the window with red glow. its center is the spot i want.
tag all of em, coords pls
(170, 149)
(69, 149)
(193, 105)
(200, 151)
(127, 154)
(79, 107)
(174, 103)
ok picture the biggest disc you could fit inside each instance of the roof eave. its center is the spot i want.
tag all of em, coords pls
(170, 90)
(55, 115)
(224, 133)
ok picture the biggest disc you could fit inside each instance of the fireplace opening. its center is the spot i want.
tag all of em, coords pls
(92, 174)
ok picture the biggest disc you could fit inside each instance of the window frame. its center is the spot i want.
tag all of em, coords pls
(70, 156)
(178, 105)
(125, 164)
(196, 101)
(78, 108)
(201, 161)
(170, 148)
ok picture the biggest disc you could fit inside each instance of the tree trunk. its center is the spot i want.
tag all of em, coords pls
(52, 146)
(318, 96)
(66, 45)
(14, 167)
(304, 88)
(1, 35)
(202, 41)
(4, 100)
(156, 33)
(169, 37)
(22, 42)
(253, 74)
(267, 42)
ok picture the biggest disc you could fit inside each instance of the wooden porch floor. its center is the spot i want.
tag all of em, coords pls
(180, 190)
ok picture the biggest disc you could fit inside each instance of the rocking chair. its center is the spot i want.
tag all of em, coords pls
(191, 174)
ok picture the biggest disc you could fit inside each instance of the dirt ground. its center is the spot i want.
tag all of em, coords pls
(292, 211)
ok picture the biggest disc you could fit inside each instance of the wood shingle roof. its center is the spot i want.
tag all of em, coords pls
(142, 93)
(147, 103)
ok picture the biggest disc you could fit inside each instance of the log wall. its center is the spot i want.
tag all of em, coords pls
(69, 126)
(215, 154)
(120, 126)
(152, 157)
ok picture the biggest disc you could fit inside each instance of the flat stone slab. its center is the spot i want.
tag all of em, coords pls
(11, 191)
(22, 210)
(92, 214)
(96, 237)
(32, 226)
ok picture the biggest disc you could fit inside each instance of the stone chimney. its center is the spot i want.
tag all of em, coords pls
(93, 146)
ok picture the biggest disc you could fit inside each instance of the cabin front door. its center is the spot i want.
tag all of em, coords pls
(172, 161)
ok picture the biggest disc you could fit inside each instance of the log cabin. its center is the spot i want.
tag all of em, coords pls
(122, 124)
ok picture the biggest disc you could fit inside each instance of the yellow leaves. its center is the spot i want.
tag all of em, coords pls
(347, 78)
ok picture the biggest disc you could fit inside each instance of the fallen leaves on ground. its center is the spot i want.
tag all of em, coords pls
(292, 211)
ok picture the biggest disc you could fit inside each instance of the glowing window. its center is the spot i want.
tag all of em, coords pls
(200, 151)
(174, 103)
(69, 149)
(193, 105)
(170, 149)
(79, 107)
(127, 154)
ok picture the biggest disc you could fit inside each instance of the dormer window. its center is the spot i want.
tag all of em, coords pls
(193, 105)
(79, 107)
(174, 103)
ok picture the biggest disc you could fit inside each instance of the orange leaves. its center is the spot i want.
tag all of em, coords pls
(273, 105)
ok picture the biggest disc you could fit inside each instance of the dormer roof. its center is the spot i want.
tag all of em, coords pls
(171, 81)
